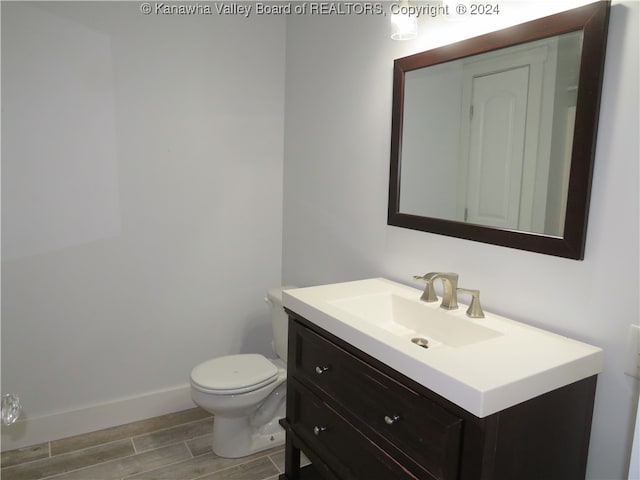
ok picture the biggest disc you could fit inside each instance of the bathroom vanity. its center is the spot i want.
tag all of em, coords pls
(360, 410)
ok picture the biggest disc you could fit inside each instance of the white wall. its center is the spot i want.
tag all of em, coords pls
(141, 205)
(338, 121)
(425, 189)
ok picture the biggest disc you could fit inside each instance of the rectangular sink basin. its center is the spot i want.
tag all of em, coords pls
(484, 365)
(412, 318)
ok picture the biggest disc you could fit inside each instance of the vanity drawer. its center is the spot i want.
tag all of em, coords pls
(415, 425)
(352, 455)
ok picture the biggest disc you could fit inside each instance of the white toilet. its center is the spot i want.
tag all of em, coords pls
(246, 393)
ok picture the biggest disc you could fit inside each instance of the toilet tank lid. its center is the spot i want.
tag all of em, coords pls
(275, 294)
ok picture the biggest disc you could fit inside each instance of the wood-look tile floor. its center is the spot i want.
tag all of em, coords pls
(171, 447)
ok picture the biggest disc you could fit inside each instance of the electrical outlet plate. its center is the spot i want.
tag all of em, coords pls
(632, 367)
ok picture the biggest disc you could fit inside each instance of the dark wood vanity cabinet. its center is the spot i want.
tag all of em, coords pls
(357, 419)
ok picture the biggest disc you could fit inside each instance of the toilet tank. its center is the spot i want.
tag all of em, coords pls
(279, 321)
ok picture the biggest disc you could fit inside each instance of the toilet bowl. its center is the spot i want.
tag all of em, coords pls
(246, 393)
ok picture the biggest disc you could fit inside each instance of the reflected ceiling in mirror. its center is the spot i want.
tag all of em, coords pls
(493, 137)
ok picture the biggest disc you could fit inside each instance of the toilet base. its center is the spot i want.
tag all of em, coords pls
(235, 437)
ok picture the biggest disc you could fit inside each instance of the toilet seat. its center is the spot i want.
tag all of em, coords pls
(234, 374)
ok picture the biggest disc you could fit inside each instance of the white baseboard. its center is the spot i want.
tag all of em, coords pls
(31, 431)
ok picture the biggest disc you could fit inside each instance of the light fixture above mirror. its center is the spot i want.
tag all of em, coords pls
(493, 138)
(404, 25)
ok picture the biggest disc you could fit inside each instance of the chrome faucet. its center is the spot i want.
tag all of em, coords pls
(450, 294)
(449, 284)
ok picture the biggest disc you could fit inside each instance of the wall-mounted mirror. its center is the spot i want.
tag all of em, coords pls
(493, 138)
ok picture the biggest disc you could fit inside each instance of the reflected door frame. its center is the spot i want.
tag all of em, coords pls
(541, 63)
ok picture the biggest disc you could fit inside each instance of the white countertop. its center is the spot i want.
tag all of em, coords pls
(517, 363)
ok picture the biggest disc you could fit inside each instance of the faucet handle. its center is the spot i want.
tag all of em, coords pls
(475, 309)
(429, 294)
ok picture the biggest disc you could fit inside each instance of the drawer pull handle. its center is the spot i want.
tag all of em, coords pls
(321, 370)
(390, 420)
(318, 430)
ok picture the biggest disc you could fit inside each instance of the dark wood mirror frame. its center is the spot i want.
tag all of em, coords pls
(593, 20)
